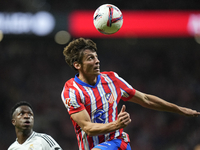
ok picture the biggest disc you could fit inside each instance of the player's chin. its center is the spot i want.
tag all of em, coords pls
(97, 71)
(27, 126)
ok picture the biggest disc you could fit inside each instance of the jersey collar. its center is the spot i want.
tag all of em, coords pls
(76, 79)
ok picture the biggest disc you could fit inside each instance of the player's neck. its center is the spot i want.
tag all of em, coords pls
(22, 136)
(91, 80)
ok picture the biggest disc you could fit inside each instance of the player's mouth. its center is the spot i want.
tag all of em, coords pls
(97, 68)
(27, 122)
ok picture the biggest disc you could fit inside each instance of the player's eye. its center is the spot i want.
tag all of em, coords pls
(90, 58)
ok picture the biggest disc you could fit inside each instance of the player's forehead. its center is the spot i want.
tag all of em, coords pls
(23, 108)
(87, 52)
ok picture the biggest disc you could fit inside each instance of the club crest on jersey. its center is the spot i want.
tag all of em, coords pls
(110, 97)
(67, 101)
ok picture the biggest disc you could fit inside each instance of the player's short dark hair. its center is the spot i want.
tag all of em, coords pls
(74, 50)
(18, 104)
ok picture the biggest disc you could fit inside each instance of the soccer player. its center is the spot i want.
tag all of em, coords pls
(91, 98)
(23, 119)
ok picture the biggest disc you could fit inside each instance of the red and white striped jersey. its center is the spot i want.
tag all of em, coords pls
(100, 101)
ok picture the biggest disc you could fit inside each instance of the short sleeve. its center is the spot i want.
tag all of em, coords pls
(127, 91)
(72, 100)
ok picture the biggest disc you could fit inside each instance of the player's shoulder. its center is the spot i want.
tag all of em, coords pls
(109, 73)
(45, 140)
(69, 83)
(70, 80)
(42, 135)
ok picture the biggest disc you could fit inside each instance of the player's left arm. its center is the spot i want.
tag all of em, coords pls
(156, 103)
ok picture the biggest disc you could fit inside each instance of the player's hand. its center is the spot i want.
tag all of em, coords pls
(123, 117)
(189, 112)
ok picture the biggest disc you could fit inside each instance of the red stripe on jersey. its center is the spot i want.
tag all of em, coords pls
(110, 88)
(130, 91)
(123, 145)
(87, 99)
(88, 108)
(101, 138)
(105, 96)
(107, 90)
(98, 98)
(99, 105)
(66, 95)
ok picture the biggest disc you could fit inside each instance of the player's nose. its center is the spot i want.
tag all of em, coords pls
(26, 115)
(97, 61)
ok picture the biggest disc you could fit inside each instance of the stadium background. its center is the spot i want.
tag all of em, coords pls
(33, 69)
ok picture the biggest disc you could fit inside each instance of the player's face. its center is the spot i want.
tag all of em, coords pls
(23, 118)
(90, 63)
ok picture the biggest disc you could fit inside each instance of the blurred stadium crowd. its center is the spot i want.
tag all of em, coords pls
(33, 69)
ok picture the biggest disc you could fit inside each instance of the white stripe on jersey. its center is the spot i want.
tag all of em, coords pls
(73, 101)
(125, 136)
(93, 109)
(73, 96)
(105, 105)
(85, 140)
(128, 85)
(80, 92)
(63, 98)
(79, 141)
(114, 92)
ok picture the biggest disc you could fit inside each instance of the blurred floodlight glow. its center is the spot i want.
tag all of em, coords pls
(62, 37)
(41, 23)
(1, 35)
(194, 24)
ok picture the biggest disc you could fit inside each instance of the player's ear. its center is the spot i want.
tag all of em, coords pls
(77, 65)
(13, 121)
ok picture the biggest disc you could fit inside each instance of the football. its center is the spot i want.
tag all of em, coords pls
(108, 19)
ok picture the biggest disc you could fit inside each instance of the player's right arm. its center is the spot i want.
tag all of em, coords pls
(82, 118)
(156, 103)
